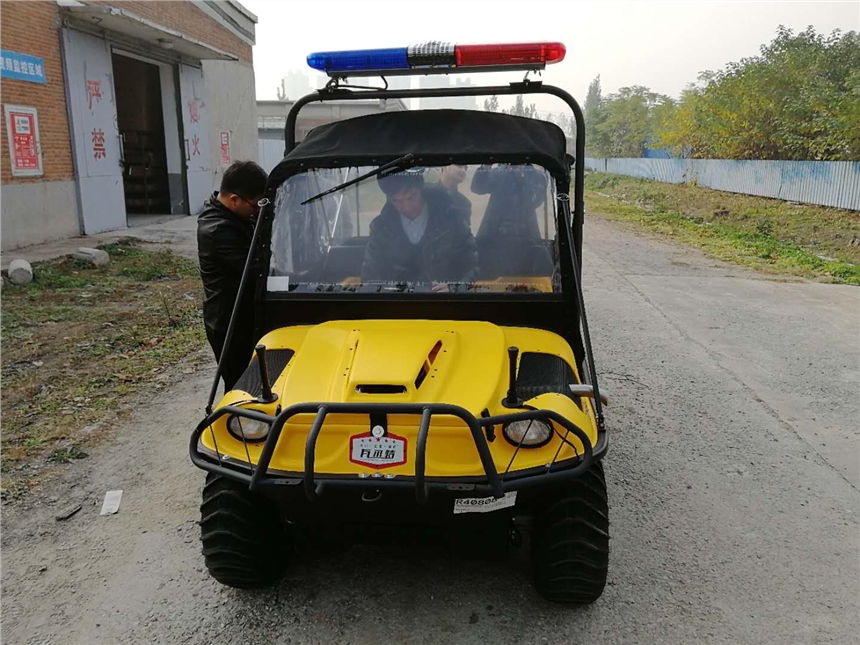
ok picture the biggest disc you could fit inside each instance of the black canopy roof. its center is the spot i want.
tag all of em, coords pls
(435, 137)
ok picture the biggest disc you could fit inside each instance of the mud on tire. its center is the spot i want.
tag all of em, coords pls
(570, 542)
(244, 542)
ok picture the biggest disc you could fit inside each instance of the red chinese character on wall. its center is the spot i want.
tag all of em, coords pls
(193, 113)
(99, 151)
(195, 142)
(94, 91)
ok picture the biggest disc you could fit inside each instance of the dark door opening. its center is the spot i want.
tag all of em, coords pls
(141, 127)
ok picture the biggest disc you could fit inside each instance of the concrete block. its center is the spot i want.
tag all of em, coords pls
(20, 272)
(93, 256)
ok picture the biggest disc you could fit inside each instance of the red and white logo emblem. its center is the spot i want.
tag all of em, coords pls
(376, 450)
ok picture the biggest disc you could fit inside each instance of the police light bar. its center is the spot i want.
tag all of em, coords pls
(437, 58)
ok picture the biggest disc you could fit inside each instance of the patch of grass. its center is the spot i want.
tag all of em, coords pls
(765, 234)
(80, 339)
(66, 455)
(146, 266)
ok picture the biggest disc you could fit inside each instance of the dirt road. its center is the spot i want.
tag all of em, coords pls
(733, 478)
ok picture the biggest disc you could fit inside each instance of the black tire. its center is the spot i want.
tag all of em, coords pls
(570, 542)
(245, 544)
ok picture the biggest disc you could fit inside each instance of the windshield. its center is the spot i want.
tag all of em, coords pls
(454, 229)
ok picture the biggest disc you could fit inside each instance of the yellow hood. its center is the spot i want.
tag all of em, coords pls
(393, 361)
(402, 361)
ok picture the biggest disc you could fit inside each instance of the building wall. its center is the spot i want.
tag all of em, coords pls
(232, 107)
(37, 209)
(272, 117)
(187, 18)
(40, 209)
(230, 84)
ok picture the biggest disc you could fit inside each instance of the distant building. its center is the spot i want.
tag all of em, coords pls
(118, 108)
(272, 119)
(294, 86)
(401, 83)
(451, 102)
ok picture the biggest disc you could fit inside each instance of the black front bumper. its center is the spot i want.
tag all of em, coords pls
(491, 483)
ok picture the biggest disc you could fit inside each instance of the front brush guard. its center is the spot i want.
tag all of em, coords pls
(491, 483)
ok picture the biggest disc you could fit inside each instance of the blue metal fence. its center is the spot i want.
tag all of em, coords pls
(827, 183)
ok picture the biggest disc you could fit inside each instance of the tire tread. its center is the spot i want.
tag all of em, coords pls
(570, 542)
(244, 543)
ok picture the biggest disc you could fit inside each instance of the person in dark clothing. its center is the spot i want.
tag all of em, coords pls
(509, 239)
(419, 236)
(225, 227)
(515, 193)
(451, 177)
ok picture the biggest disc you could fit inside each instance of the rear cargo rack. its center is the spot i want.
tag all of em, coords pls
(491, 483)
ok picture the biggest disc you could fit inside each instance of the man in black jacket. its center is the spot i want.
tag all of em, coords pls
(515, 193)
(224, 230)
(419, 236)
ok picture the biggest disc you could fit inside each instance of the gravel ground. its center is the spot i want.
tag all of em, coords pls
(732, 473)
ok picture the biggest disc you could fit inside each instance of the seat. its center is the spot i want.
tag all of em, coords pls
(344, 261)
(498, 257)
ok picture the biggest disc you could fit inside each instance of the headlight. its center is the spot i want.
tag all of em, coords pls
(252, 429)
(530, 433)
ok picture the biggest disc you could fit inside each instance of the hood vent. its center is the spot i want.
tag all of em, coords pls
(428, 363)
(380, 389)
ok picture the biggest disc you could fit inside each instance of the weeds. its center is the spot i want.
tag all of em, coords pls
(766, 234)
(80, 339)
(66, 455)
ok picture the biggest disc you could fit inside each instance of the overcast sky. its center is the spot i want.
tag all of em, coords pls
(662, 45)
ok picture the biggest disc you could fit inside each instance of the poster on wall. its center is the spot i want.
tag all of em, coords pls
(225, 148)
(25, 150)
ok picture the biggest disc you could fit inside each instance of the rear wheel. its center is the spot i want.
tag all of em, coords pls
(570, 542)
(244, 542)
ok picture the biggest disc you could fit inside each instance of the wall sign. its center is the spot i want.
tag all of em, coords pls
(22, 67)
(225, 147)
(22, 130)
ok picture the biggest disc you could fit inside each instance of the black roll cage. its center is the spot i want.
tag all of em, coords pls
(573, 220)
(337, 93)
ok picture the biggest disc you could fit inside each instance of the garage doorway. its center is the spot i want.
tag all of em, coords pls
(140, 121)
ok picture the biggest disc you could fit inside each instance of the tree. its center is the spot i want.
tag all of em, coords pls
(595, 142)
(521, 109)
(282, 91)
(563, 121)
(492, 104)
(628, 121)
(799, 99)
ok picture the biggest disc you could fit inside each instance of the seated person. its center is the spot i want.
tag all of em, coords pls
(515, 193)
(509, 239)
(451, 177)
(418, 236)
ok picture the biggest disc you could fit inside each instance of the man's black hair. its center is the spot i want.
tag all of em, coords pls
(397, 180)
(244, 178)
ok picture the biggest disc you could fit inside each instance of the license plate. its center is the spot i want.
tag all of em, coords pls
(484, 504)
(377, 452)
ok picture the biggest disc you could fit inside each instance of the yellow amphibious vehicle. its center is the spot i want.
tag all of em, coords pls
(423, 360)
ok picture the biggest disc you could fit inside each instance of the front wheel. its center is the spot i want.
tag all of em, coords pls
(570, 542)
(244, 542)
